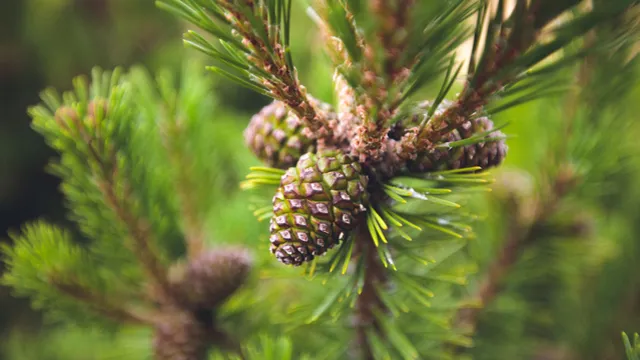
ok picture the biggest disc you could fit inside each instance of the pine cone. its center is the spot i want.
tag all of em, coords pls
(275, 136)
(210, 279)
(486, 154)
(439, 159)
(180, 336)
(316, 206)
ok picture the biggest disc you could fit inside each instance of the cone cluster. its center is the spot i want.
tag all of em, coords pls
(322, 193)
(316, 206)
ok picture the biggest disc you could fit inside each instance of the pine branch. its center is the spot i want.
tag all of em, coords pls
(522, 232)
(289, 90)
(513, 45)
(194, 227)
(62, 278)
(116, 311)
(142, 239)
(85, 124)
(388, 61)
(118, 195)
(102, 130)
(254, 38)
(355, 58)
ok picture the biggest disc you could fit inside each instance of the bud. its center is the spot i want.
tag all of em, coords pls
(96, 112)
(65, 116)
(206, 281)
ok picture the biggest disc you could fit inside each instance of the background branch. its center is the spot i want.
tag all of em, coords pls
(117, 311)
(192, 216)
(522, 231)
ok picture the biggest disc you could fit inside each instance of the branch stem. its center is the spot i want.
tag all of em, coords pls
(139, 230)
(185, 188)
(142, 242)
(284, 86)
(222, 339)
(368, 302)
(119, 312)
(393, 17)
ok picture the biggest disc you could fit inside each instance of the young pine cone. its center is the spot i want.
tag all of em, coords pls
(276, 136)
(487, 154)
(180, 336)
(208, 280)
(316, 206)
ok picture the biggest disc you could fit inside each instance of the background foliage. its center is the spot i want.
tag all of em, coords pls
(568, 296)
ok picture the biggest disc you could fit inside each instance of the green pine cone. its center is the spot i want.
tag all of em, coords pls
(316, 206)
(276, 136)
(211, 278)
(180, 336)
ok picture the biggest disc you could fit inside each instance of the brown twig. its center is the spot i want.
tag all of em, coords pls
(393, 17)
(286, 87)
(381, 82)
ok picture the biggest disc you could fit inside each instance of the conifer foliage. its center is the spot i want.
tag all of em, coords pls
(136, 229)
(368, 195)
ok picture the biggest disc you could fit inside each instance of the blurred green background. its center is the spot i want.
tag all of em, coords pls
(47, 42)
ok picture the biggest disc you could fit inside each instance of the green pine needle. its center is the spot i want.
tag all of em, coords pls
(632, 350)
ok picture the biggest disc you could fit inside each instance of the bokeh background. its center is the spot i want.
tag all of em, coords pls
(47, 42)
